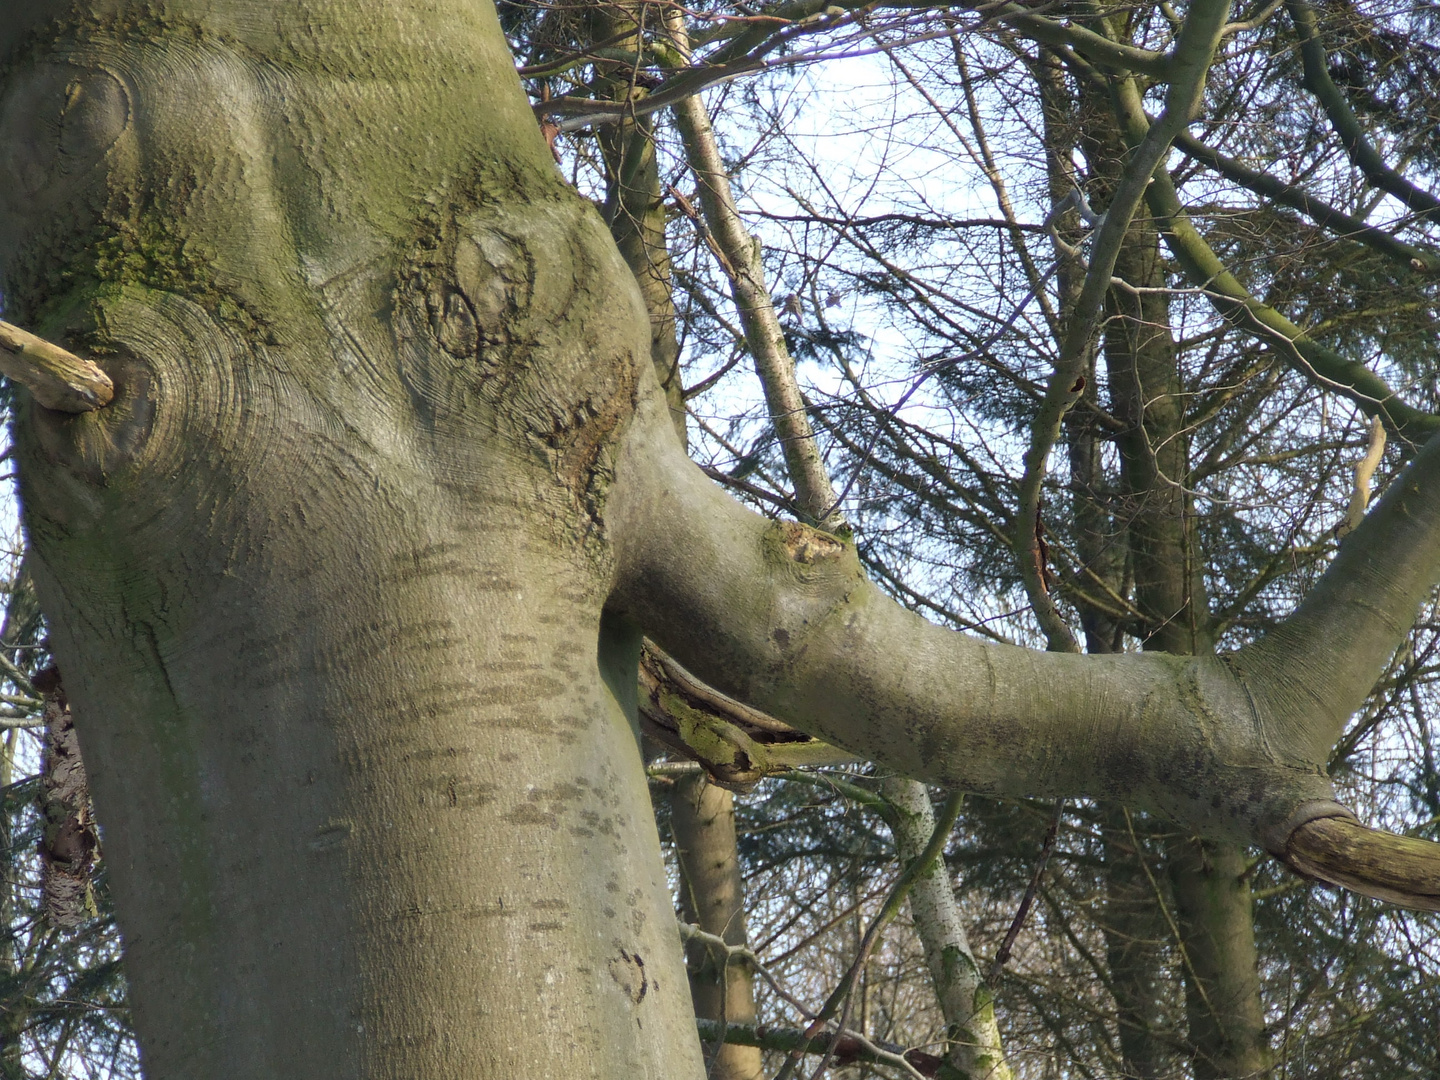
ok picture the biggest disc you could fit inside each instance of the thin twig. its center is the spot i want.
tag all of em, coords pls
(1018, 923)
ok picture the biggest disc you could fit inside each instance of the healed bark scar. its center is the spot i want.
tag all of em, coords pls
(580, 438)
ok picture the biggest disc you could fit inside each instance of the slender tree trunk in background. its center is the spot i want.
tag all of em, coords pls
(1213, 909)
(1211, 892)
(13, 1015)
(743, 266)
(975, 1049)
(1131, 920)
(634, 204)
(712, 896)
(959, 988)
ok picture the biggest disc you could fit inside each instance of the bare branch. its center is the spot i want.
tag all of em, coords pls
(1340, 851)
(60, 380)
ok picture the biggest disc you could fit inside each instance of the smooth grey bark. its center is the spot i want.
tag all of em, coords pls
(348, 580)
(326, 580)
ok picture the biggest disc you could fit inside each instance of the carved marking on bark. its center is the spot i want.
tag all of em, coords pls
(628, 971)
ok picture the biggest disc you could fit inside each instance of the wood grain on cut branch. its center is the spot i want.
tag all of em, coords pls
(60, 380)
(1399, 870)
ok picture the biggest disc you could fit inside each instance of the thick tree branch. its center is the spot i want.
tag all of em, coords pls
(1319, 664)
(1341, 851)
(781, 616)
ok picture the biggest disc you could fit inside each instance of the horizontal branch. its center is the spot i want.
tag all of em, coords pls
(60, 380)
(782, 617)
(735, 744)
(1318, 211)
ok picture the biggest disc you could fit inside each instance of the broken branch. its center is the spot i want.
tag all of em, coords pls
(60, 380)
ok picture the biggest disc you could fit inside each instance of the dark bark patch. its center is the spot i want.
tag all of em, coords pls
(69, 845)
(628, 971)
(86, 112)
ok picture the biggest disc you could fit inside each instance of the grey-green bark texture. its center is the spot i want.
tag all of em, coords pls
(329, 576)
(347, 582)
(973, 1045)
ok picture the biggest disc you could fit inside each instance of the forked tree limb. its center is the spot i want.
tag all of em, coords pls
(60, 380)
(782, 617)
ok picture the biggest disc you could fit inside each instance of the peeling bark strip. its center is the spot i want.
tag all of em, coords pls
(70, 845)
(736, 745)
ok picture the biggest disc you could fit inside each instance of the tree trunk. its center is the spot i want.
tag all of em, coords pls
(702, 817)
(343, 580)
(1213, 899)
(1211, 884)
(14, 1014)
(974, 1048)
(327, 579)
